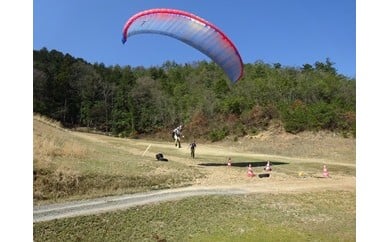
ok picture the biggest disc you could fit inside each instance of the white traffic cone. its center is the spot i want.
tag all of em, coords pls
(268, 167)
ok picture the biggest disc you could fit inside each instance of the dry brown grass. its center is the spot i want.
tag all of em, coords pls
(49, 142)
(48, 121)
(74, 165)
(325, 145)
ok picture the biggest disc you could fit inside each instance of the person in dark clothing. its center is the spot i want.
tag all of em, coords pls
(192, 147)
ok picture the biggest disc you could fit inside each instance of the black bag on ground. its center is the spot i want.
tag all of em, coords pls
(160, 157)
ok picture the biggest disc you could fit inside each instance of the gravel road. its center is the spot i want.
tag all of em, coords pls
(100, 205)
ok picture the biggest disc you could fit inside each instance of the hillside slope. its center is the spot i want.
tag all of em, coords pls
(72, 165)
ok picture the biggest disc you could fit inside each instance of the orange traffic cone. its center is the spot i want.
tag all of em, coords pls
(250, 171)
(268, 167)
(325, 172)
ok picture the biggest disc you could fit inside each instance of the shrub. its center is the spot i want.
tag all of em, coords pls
(295, 117)
(218, 134)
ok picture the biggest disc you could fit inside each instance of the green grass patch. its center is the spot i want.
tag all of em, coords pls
(315, 216)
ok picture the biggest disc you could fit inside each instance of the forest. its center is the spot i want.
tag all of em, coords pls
(128, 101)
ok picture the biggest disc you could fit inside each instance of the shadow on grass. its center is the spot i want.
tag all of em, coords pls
(245, 163)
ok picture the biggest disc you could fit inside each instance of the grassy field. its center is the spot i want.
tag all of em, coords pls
(70, 167)
(73, 165)
(316, 216)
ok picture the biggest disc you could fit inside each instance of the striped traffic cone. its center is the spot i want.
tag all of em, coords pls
(250, 172)
(325, 172)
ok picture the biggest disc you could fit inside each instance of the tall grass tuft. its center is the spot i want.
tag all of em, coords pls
(49, 143)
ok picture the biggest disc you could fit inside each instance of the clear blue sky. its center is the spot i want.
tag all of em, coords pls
(288, 32)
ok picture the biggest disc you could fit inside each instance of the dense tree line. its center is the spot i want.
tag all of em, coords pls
(125, 101)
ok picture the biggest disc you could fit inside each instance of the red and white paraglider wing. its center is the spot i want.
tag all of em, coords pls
(192, 30)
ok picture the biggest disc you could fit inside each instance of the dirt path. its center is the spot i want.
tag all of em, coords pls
(220, 180)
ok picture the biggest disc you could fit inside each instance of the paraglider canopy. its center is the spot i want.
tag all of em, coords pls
(191, 30)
